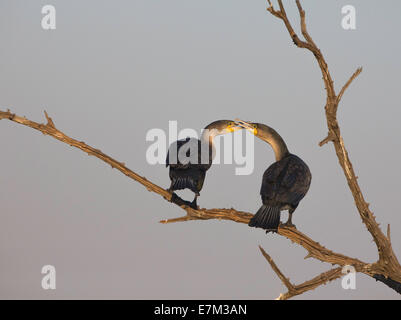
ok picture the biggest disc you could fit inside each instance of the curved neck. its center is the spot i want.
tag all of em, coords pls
(208, 135)
(274, 139)
(207, 138)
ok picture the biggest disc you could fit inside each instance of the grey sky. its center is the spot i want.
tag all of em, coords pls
(112, 70)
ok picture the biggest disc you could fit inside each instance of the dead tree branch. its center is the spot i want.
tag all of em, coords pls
(314, 249)
(295, 290)
(387, 269)
(387, 262)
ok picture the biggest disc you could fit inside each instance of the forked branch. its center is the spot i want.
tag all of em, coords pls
(386, 269)
(314, 249)
(295, 290)
(387, 259)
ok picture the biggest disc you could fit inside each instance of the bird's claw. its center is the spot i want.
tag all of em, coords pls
(288, 225)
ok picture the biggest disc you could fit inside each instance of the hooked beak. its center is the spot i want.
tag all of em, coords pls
(246, 125)
(234, 127)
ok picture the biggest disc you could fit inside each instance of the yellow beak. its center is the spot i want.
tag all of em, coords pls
(232, 128)
(246, 125)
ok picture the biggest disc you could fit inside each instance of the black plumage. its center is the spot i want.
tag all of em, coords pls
(190, 158)
(190, 175)
(284, 183)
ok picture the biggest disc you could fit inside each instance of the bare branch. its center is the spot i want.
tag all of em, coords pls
(304, 30)
(50, 122)
(309, 44)
(387, 259)
(283, 16)
(285, 280)
(354, 75)
(388, 233)
(50, 129)
(326, 140)
(314, 249)
(294, 290)
(312, 284)
(272, 11)
(387, 269)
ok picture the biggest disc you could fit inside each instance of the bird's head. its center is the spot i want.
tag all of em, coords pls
(223, 126)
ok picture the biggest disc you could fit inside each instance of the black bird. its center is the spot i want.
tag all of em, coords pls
(284, 183)
(190, 158)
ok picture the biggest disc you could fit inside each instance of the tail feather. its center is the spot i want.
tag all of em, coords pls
(183, 182)
(267, 218)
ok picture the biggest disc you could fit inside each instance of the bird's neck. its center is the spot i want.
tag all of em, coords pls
(276, 142)
(208, 136)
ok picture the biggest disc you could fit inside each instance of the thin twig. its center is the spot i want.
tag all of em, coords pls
(283, 279)
(295, 290)
(346, 85)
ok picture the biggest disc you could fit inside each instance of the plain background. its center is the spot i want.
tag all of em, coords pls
(112, 70)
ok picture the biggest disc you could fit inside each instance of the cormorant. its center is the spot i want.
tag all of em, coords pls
(284, 183)
(190, 158)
